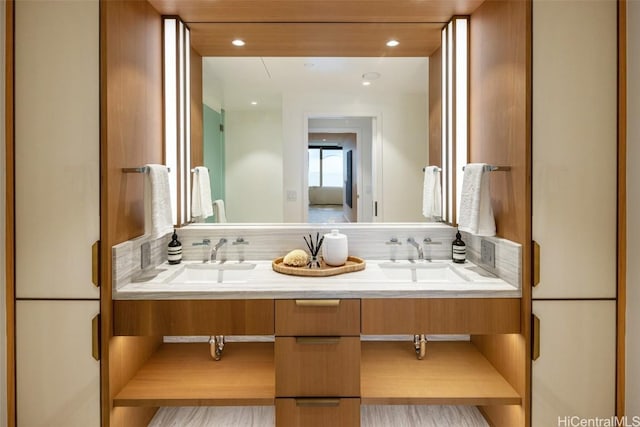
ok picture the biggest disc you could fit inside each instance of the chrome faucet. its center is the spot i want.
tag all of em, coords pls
(214, 250)
(418, 247)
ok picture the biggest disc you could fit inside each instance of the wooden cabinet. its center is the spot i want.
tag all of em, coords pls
(317, 317)
(56, 115)
(57, 379)
(388, 316)
(574, 204)
(317, 354)
(317, 412)
(318, 371)
(317, 366)
(575, 372)
(193, 317)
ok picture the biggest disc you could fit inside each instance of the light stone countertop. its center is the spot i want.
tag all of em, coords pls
(448, 280)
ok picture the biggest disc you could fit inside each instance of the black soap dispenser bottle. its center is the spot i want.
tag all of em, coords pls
(458, 249)
(174, 251)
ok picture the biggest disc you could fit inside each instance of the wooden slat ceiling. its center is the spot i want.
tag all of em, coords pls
(315, 27)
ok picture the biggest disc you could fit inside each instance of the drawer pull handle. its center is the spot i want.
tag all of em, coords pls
(317, 402)
(317, 340)
(317, 302)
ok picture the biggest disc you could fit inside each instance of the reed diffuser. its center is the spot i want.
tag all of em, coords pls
(314, 249)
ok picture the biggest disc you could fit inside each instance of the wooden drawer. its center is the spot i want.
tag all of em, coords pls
(317, 366)
(441, 316)
(309, 317)
(193, 317)
(317, 412)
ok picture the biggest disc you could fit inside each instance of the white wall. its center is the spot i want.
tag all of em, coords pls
(3, 342)
(633, 209)
(405, 145)
(253, 169)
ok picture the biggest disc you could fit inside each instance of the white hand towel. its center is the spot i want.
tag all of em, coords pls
(432, 194)
(201, 207)
(157, 201)
(221, 215)
(476, 214)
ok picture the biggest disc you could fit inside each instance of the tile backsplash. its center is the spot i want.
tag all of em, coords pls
(265, 242)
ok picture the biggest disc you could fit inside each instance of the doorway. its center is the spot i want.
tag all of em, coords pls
(339, 166)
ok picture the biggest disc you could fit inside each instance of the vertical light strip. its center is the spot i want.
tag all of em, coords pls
(187, 128)
(444, 127)
(461, 114)
(170, 112)
(450, 119)
(181, 122)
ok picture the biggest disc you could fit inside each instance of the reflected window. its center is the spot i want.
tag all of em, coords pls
(326, 167)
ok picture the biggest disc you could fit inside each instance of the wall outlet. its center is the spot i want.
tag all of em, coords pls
(292, 195)
(145, 255)
(488, 253)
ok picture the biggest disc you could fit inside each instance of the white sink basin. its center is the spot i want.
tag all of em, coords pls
(205, 273)
(423, 272)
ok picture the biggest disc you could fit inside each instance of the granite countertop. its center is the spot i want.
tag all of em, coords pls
(257, 280)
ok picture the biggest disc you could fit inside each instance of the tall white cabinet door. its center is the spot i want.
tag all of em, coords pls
(58, 380)
(57, 147)
(575, 373)
(574, 147)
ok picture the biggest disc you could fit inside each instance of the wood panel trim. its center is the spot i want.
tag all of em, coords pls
(10, 213)
(622, 211)
(193, 317)
(441, 316)
(315, 10)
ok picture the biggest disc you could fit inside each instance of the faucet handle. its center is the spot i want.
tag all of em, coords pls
(205, 242)
(240, 241)
(393, 241)
(428, 241)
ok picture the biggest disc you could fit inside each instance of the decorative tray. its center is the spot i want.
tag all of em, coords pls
(353, 264)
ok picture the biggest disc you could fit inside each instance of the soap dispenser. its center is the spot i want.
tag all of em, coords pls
(458, 249)
(174, 251)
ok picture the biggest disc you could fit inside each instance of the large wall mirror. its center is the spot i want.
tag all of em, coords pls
(321, 122)
(316, 139)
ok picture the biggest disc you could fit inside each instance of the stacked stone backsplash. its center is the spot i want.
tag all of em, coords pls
(267, 242)
(508, 255)
(127, 257)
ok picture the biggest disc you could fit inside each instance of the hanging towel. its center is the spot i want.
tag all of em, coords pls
(476, 213)
(221, 215)
(157, 201)
(201, 207)
(432, 194)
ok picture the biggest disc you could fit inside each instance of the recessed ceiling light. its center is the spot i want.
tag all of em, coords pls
(254, 102)
(238, 42)
(366, 83)
(393, 43)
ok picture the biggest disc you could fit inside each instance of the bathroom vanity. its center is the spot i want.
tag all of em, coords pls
(333, 343)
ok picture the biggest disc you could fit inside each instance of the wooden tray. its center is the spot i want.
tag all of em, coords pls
(353, 264)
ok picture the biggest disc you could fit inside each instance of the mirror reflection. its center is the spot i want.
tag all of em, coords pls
(316, 139)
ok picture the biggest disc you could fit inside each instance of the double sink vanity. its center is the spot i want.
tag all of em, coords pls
(320, 347)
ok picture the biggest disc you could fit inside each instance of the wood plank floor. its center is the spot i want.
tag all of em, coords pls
(371, 416)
